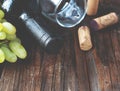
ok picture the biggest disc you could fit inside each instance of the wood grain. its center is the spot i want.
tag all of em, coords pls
(71, 69)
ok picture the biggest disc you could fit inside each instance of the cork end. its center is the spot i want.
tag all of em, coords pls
(86, 47)
(94, 25)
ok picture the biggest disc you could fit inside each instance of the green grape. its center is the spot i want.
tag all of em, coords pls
(2, 56)
(17, 40)
(3, 20)
(9, 55)
(9, 28)
(2, 14)
(10, 36)
(1, 26)
(4, 44)
(18, 49)
(2, 35)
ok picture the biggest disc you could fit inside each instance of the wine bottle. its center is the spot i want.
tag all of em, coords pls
(50, 42)
(11, 7)
(15, 8)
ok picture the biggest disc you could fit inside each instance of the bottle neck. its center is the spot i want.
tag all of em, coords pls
(7, 5)
(12, 7)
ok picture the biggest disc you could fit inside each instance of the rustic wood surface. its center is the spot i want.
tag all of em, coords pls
(70, 69)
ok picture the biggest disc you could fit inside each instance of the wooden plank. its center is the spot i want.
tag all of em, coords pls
(29, 79)
(81, 67)
(92, 71)
(109, 79)
(61, 75)
(68, 64)
(103, 58)
(8, 77)
(47, 72)
(114, 67)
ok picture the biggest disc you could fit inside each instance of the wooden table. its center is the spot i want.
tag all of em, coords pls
(69, 70)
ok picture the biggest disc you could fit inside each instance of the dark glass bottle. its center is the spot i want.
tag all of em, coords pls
(15, 8)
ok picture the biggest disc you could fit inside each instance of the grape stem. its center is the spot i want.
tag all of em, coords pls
(3, 42)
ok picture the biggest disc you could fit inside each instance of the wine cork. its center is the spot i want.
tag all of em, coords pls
(92, 7)
(104, 21)
(84, 38)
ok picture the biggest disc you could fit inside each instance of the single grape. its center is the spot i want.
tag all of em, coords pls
(9, 55)
(1, 26)
(9, 28)
(3, 20)
(2, 35)
(10, 36)
(2, 56)
(17, 40)
(2, 14)
(4, 44)
(18, 49)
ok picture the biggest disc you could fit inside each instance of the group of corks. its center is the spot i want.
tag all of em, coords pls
(98, 23)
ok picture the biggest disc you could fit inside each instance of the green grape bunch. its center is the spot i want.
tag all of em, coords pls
(11, 47)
